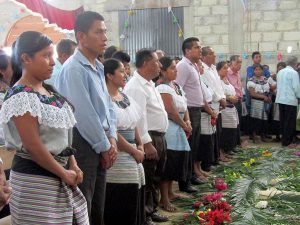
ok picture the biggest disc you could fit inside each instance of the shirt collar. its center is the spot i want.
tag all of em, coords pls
(141, 79)
(83, 60)
(185, 59)
(206, 66)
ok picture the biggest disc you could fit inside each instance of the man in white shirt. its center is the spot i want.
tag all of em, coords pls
(288, 94)
(152, 127)
(212, 80)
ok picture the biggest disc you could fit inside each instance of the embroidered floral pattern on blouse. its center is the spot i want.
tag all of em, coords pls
(55, 100)
(124, 103)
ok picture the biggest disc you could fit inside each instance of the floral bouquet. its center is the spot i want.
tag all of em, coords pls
(210, 210)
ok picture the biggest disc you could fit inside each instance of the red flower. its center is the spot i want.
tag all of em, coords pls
(213, 197)
(220, 185)
(197, 205)
(222, 205)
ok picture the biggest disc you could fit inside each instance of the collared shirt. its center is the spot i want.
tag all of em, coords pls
(250, 72)
(154, 115)
(56, 70)
(234, 79)
(84, 86)
(211, 79)
(188, 78)
(288, 87)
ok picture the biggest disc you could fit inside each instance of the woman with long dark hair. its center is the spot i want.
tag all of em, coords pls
(178, 149)
(125, 180)
(259, 90)
(230, 118)
(37, 122)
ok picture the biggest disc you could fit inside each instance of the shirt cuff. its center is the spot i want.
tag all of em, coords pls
(112, 133)
(146, 138)
(102, 146)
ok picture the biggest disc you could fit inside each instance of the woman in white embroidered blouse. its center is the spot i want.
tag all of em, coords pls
(259, 90)
(178, 149)
(37, 122)
(230, 118)
(125, 180)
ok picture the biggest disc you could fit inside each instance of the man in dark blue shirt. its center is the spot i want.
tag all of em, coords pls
(256, 58)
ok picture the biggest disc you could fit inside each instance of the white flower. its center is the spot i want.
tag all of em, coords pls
(261, 205)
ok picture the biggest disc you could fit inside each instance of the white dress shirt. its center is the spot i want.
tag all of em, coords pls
(211, 79)
(154, 115)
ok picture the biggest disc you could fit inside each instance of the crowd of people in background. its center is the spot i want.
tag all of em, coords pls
(97, 144)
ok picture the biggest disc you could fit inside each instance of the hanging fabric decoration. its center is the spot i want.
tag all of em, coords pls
(175, 22)
(130, 13)
(268, 55)
(279, 56)
(126, 24)
(245, 56)
(221, 56)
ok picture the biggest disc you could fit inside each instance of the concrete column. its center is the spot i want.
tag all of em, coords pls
(235, 27)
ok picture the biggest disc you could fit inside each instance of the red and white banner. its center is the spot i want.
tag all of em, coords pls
(63, 14)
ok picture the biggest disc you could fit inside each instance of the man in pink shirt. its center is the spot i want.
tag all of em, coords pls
(234, 79)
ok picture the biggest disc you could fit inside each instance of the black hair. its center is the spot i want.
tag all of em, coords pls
(165, 62)
(234, 58)
(122, 56)
(110, 66)
(85, 20)
(255, 53)
(29, 42)
(65, 46)
(205, 50)
(188, 43)
(220, 65)
(142, 56)
(177, 58)
(4, 62)
(281, 64)
(257, 65)
(110, 51)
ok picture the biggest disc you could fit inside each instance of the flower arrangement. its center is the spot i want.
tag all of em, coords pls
(220, 184)
(297, 153)
(212, 209)
(266, 153)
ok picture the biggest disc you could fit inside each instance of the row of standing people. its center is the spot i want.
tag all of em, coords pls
(142, 123)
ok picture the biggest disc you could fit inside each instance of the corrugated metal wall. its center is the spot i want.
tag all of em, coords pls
(151, 28)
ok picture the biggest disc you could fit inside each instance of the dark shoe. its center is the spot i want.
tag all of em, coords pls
(189, 189)
(156, 217)
(216, 163)
(197, 181)
(149, 221)
(231, 152)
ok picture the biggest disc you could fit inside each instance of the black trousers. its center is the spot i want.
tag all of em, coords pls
(238, 107)
(94, 179)
(194, 142)
(153, 171)
(287, 115)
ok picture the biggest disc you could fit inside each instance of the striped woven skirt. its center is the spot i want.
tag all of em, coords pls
(45, 200)
(257, 110)
(206, 127)
(230, 118)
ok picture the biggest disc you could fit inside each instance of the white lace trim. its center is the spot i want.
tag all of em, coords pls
(48, 115)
